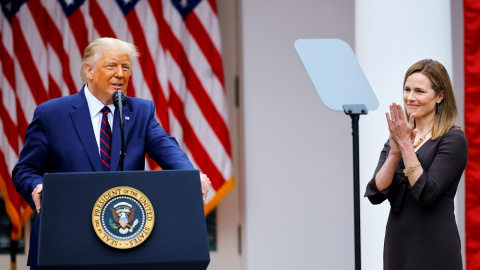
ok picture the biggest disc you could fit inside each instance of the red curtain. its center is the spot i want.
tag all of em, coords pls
(471, 9)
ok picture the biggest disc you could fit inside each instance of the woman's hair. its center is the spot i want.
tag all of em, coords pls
(446, 111)
(112, 45)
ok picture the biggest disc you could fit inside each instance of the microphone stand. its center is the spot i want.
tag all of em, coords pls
(119, 101)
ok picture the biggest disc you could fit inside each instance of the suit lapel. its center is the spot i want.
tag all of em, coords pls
(116, 136)
(83, 125)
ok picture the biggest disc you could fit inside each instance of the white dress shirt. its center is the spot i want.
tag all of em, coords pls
(95, 106)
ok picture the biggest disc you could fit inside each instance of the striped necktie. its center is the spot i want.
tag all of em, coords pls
(105, 139)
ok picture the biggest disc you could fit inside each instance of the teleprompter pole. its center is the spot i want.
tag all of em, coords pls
(355, 111)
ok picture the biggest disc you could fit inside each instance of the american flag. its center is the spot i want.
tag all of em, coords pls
(180, 69)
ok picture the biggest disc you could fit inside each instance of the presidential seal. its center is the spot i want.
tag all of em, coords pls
(123, 217)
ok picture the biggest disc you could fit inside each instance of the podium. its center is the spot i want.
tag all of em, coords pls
(71, 237)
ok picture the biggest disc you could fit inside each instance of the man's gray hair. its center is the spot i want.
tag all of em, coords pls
(101, 45)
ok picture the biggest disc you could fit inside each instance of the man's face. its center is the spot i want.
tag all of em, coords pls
(111, 73)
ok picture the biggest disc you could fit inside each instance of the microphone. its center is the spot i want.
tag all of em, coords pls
(118, 95)
(119, 101)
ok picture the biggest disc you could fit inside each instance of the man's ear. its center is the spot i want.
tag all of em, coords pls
(88, 71)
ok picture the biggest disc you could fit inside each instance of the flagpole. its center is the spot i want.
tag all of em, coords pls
(13, 254)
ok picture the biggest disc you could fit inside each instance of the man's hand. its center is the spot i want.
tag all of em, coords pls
(205, 182)
(37, 197)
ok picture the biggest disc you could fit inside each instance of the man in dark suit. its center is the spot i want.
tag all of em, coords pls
(65, 134)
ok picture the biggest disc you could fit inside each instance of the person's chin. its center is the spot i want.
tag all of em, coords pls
(411, 110)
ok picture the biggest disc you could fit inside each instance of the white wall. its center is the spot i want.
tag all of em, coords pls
(298, 154)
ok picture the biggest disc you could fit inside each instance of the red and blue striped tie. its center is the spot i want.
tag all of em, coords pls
(105, 139)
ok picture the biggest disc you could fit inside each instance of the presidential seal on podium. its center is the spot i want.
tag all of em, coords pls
(123, 217)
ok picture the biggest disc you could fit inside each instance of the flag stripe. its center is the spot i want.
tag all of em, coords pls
(34, 44)
(22, 121)
(8, 93)
(54, 39)
(8, 98)
(101, 23)
(10, 68)
(79, 30)
(9, 127)
(55, 74)
(207, 17)
(194, 145)
(53, 89)
(25, 99)
(213, 5)
(147, 21)
(64, 49)
(27, 64)
(146, 63)
(7, 64)
(38, 16)
(206, 45)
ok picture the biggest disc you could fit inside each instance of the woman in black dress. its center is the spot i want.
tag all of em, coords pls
(418, 172)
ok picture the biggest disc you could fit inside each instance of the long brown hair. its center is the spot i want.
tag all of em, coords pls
(446, 111)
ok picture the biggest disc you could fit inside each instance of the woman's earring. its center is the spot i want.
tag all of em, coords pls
(438, 107)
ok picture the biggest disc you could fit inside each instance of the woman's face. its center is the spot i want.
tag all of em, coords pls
(419, 96)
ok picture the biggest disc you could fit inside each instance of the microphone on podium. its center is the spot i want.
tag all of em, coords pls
(118, 95)
(119, 101)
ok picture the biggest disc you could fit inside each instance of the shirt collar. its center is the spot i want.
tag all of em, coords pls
(95, 105)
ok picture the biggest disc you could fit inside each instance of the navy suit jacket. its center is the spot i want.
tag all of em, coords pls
(60, 138)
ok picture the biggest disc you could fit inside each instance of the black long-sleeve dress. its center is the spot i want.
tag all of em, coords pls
(421, 230)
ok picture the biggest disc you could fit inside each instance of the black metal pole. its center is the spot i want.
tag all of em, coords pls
(355, 110)
(13, 254)
(119, 101)
(356, 189)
